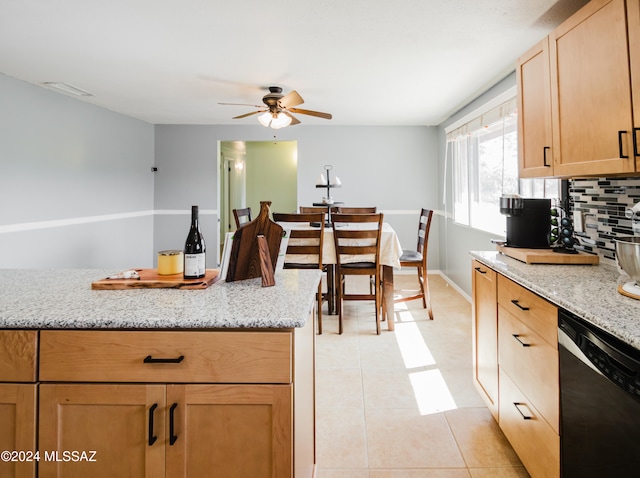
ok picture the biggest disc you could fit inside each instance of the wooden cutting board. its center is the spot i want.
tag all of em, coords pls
(244, 261)
(150, 279)
(547, 256)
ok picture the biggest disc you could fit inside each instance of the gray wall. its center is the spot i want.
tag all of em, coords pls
(76, 188)
(456, 240)
(394, 168)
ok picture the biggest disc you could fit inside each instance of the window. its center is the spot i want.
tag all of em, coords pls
(483, 151)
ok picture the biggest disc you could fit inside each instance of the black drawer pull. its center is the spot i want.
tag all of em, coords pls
(635, 142)
(544, 156)
(152, 437)
(517, 337)
(622, 155)
(480, 270)
(515, 302)
(172, 437)
(150, 359)
(518, 405)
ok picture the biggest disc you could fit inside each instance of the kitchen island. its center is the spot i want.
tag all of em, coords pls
(157, 382)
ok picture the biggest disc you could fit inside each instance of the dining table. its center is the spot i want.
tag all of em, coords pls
(390, 252)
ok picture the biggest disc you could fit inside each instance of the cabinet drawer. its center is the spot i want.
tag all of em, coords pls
(531, 363)
(537, 313)
(180, 357)
(18, 350)
(535, 442)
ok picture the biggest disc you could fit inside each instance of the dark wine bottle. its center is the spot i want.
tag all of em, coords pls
(194, 249)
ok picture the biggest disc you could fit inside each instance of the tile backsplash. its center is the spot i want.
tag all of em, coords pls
(603, 204)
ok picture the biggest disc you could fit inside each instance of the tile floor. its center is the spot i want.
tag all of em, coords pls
(403, 404)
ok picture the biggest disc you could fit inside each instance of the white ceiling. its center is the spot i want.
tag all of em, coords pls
(368, 62)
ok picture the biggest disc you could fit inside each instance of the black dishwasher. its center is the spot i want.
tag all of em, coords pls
(599, 402)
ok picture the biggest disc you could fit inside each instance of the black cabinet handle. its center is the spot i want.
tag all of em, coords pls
(480, 270)
(152, 437)
(622, 155)
(515, 302)
(635, 142)
(517, 337)
(518, 405)
(172, 436)
(150, 359)
(544, 156)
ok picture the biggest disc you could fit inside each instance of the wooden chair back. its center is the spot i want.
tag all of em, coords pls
(423, 233)
(354, 210)
(242, 216)
(305, 241)
(353, 238)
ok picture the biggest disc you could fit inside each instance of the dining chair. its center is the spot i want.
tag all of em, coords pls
(242, 216)
(418, 259)
(357, 210)
(304, 243)
(357, 242)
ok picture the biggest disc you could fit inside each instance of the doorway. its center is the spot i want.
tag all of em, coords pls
(254, 171)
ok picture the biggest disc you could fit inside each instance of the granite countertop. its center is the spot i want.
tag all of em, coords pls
(589, 291)
(64, 299)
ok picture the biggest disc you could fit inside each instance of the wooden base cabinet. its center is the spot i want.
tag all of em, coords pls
(485, 334)
(173, 431)
(177, 404)
(18, 428)
(18, 402)
(230, 431)
(515, 337)
(113, 424)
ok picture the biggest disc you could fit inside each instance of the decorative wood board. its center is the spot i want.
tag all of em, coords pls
(547, 256)
(150, 279)
(244, 261)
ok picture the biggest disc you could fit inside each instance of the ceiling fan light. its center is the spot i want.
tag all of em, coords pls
(265, 119)
(281, 121)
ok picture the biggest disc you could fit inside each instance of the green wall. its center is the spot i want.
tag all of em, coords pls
(272, 175)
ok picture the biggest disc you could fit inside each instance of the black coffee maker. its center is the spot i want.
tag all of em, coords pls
(528, 221)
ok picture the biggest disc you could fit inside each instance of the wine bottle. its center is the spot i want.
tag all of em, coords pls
(194, 249)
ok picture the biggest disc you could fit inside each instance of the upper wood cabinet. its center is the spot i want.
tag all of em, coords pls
(534, 112)
(591, 64)
(633, 25)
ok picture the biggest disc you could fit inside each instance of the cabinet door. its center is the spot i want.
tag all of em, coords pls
(633, 25)
(534, 112)
(591, 92)
(18, 421)
(117, 422)
(229, 431)
(485, 334)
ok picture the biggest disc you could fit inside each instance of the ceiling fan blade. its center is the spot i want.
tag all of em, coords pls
(291, 99)
(319, 114)
(249, 114)
(241, 104)
(294, 120)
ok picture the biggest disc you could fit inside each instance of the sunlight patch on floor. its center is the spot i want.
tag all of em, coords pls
(413, 348)
(431, 392)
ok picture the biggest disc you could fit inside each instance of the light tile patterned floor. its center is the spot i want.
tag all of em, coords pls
(402, 404)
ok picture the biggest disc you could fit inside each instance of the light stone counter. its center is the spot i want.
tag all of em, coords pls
(64, 299)
(589, 291)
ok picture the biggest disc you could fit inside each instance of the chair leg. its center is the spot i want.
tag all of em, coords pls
(378, 308)
(339, 303)
(421, 281)
(320, 308)
(427, 296)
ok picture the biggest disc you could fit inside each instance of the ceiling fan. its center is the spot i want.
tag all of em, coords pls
(278, 108)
